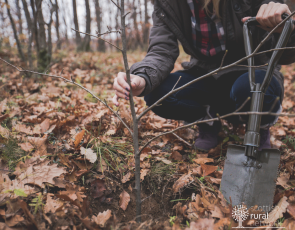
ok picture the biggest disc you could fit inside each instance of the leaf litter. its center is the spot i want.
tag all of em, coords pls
(77, 166)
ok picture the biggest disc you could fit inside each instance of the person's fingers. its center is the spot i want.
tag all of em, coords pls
(117, 87)
(266, 18)
(272, 14)
(245, 19)
(115, 100)
(122, 95)
(122, 81)
(259, 16)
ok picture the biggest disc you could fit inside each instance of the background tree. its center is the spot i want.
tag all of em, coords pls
(101, 44)
(78, 37)
(19, 48)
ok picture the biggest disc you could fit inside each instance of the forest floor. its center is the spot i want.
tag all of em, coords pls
(66, 162)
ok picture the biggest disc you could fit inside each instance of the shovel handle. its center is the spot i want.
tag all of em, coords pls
(284, 37)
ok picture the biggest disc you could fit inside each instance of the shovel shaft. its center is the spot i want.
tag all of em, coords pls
(252, 136)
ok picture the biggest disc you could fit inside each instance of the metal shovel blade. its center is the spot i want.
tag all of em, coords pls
(250, 181)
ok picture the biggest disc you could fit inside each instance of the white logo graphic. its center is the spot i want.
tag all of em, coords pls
(240, 213)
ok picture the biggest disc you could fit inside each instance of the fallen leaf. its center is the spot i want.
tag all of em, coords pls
(2, 118)
(3, 105)
(41, 173)
(202, 224)
(176, 156)
(203, 160)
(182, 182)
(102, 218)
(78, 138)
(45, 125)
(26, 146)
(124, 200)
(52, 205)
(126, 177)
(89, 154)
(278, 211)
(208, 169)
(39, 144)
(143, 173)
(22, 128)
(283, 180)
(164, 160)
(4, 132)
(14, 220)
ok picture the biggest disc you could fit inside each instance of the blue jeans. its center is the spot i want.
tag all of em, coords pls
(223, 96)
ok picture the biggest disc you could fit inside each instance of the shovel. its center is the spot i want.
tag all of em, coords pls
(249, 175)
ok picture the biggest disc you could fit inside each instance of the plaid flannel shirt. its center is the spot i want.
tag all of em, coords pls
(208, 32)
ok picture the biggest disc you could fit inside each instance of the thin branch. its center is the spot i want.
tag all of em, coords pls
(116, 5)
(124, 16)
(71, 81)
(221, 64)
(272, 31)
(257, 66)
(216, 119)
(182, 139)
(176, 83)
(108, 32)
(99, 38)
(205, 76)
(274, 104)
(244, 103)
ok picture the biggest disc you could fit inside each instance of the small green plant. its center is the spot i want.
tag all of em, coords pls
(11, 152)
(171, 220)
(37, 202)
(280, 221)
(289, 142)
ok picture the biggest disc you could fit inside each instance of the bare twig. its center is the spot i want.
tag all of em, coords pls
(205, 76)
(244, 103)
(257, 66)
(116, 5)
(108, 32)
(274, 104)
(221, 64)
(271, 32)
(99, 38)
(73, 82)
(176, 83)
(216, 119)
(182, 139)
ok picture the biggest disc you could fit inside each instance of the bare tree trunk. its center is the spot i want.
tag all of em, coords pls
(19, 48)
(65, 22)
(49, 33)
(78, 37)
(135, 25)
(101, 44)
(58, 45)
(19, 16)
(117, 24)
(30, 32)
(86, 42)
(35, 28)
(146, 27)
(43, 57)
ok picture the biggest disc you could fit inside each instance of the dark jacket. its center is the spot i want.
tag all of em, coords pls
(172, 23)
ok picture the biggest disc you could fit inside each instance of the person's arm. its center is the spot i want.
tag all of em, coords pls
(156, 66)
(269, 15)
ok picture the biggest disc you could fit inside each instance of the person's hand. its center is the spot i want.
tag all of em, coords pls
(122, 88)
(270, 15)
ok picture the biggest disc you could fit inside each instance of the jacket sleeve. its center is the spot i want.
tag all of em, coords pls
(288, 56)
(162, 53)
